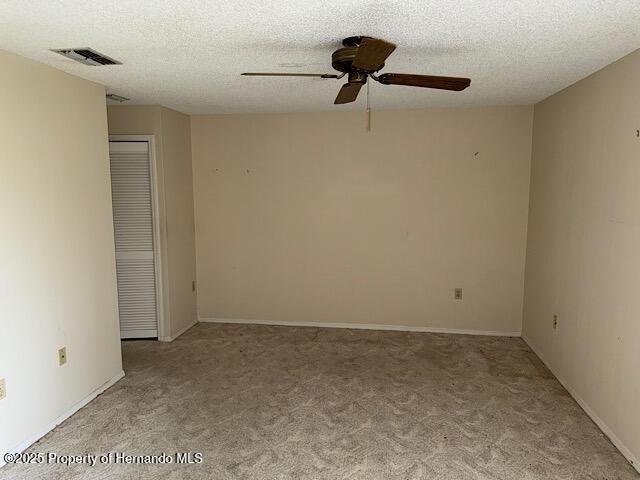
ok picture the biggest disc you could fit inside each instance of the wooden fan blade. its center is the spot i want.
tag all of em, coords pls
(426, 81)
(348, 93)
(372, 53)
(265, 74)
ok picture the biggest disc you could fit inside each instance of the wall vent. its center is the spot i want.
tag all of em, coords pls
(87, 56)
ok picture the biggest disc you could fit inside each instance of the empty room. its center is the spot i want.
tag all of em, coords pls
(375, 239)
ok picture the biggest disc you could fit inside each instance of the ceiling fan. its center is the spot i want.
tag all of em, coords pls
(360, 58)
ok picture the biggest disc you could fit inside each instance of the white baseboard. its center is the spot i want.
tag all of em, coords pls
(361, 326)
(588, 410)
(34, 438)
(180, 332)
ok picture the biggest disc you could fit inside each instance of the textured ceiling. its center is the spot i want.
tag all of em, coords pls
(188, 55)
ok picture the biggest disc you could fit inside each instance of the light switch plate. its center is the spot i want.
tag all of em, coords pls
(62, 356)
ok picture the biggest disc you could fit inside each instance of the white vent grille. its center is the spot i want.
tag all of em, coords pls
(117, 98)
(87, 56)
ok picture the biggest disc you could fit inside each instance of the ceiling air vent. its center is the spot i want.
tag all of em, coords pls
(87, 56)
(117, 98)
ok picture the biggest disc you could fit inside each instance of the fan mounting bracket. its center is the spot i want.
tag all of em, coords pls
(357, 77)
(353, 41)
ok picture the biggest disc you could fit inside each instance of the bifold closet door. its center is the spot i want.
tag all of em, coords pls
(133, 227)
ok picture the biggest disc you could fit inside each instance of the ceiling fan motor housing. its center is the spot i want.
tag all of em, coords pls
(342, 58)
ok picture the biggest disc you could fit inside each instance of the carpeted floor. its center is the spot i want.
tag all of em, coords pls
(261, 402)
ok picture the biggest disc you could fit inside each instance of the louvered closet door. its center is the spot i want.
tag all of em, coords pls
(133, 225)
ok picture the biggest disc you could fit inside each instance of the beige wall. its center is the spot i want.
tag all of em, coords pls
(583, 255)
(178, 182)
(57, 264)
(173, 151)
(309, 218)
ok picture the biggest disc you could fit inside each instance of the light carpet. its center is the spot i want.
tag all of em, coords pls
(266, 402)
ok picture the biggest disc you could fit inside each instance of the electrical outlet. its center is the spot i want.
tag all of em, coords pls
(3, 389)
(457, 294)
(555, 321)
(62, 356)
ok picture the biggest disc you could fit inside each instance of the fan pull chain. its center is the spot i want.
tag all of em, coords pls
(368, 119)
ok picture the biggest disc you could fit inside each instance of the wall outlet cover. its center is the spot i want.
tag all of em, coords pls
(62, 356)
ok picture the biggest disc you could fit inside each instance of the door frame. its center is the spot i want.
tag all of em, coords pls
(154, 174)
